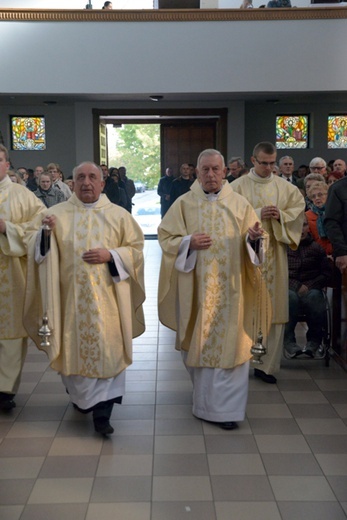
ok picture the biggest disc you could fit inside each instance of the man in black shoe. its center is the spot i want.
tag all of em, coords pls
(280, 207)
(18, 206)
(95, 292)
(207, 286)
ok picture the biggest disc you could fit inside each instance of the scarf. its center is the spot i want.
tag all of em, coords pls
(320, 221)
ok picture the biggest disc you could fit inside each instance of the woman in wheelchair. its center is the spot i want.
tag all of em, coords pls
(309, 273)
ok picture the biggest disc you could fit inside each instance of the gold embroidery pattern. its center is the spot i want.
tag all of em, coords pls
(88, 282)
(214, 292)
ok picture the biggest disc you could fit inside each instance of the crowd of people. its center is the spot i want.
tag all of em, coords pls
(227, 233)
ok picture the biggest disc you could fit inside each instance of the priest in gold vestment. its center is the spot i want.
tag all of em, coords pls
(280, 207)
(18, 206)
(208, 289)
(93, 291)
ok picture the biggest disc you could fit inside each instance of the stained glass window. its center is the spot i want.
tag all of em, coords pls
(28, 133)
(337, 131)
(291, 131)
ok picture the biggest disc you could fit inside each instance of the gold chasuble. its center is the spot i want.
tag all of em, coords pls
(18, 207)
(93, 318)
(276, 191)
(212, 306)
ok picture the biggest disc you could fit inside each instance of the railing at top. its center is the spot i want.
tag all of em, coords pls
(171, 15)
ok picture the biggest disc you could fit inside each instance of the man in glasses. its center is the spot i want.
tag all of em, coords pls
(318, 165)
(280, 206)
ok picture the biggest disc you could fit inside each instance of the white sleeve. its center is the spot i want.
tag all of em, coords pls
(256, 258)
(122, 272)
(184, 262)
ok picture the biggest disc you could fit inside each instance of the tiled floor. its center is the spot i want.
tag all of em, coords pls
(287, 461)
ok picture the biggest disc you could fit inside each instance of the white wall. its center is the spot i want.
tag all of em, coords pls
(152, 57)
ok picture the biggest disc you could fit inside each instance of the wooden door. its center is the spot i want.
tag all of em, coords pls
(182, 142)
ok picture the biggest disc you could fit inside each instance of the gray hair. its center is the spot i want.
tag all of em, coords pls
(210, 151)
(313, 177)
(74, 171)
(317, 185)
(239, 160)
(317, 160)
(285, 157)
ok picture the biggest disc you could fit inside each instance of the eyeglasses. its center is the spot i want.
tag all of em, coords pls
(265, 164)
(317, 195)
(317, 167)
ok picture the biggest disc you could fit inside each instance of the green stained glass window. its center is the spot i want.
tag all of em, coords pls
(337, 131)
(28, 133)
(291, 131)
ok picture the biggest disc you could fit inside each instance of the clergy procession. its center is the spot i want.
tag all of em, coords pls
(72, 278)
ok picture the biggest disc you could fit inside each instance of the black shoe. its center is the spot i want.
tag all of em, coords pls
(228, 425)
(6, 401)
(267, 378)
(102, 425)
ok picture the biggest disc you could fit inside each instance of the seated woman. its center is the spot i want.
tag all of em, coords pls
(309, 273)
(318, 193)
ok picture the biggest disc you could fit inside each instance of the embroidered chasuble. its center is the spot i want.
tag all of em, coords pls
(212, 306)
(276, 191)
(93, 318)
(18, 206)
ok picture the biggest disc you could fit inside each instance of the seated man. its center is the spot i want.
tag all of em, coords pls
(309, 273)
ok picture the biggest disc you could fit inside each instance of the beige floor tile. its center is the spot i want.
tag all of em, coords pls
(241, 488)
(54, 512)
(270, 411)
(180, 465)
(181, 488)
(133, 427)
(121, 489)
(301, 488)
(34, 429)
(119, 511)
(76, 446)
(173, 411)
(291, 464)
(247, 511)
(230, 443)
(238, 464)
(179, 444)
(69, 467)
(125, 465)
(189, 426)
(183, 510)
(128, 445)
(282, 444)
(327, 443)
(34, 448)
(293, 397)
(61, 491)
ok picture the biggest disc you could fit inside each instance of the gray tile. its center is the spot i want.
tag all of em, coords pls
(241, 488)
(230, 444)
(181, 510)
(34, 448)
(282, 444)
(322, 426)
(11, 512)
(119, 511)
(178, 427)
(274, 426)
(236, 464)
(42, 413)
(331, 385)
(339, 487)
(333, 464)
(15, 491)
(327, 443)
(133, 426)
(54, 512)
(313, 411)
(298, 385)
(73, 466)
(174, 397)
(264, 397)
(61, 491)
(301, 488)
(247, 511)
(311, 510)
(140, 398)
(36, 429)
(291, 464)
(49, 388)
(179, 444)
(173, 375)
(82, 427)
(195, 488)
(65, 446)
(294, 397)
(177, 464)
(133, 412)
(128, 445)
(20, 467)
(172, 411)
(271, 411)
(125, 465)
(121, 489)
(336, 397)
(141, 375)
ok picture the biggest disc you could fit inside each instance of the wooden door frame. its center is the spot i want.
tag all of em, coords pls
(150, 116)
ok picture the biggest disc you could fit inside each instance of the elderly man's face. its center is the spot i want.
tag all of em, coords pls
(234, 169)
(88, 184)
(210, 172)
(45, 182)
(287, 167)
(318, 167)
(339, 166)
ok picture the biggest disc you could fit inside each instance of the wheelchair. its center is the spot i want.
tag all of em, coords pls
(324, 351)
